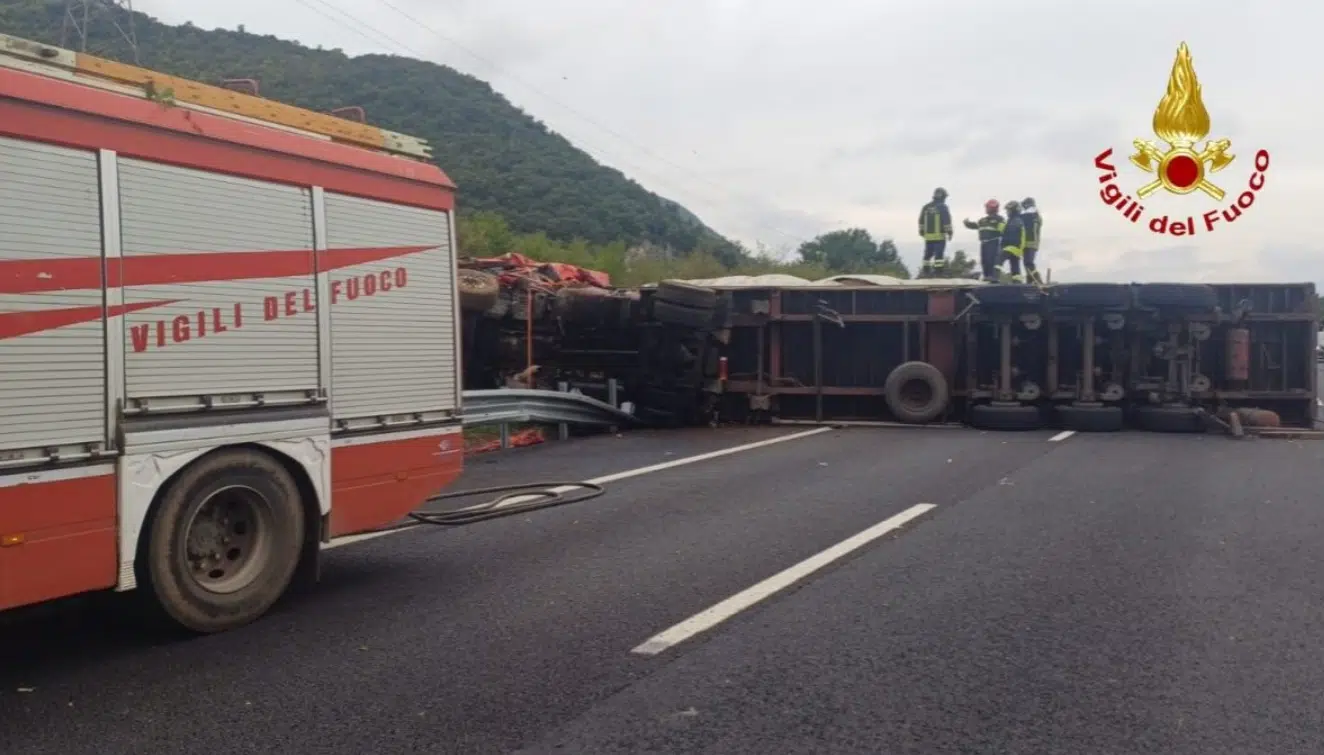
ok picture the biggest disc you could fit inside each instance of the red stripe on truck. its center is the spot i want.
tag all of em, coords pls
(15, 324)
(68, 274)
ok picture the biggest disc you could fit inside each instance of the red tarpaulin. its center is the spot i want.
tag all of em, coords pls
(557, 272)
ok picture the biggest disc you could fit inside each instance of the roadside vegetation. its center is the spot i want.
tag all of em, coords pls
(488, 234)
(524, 188)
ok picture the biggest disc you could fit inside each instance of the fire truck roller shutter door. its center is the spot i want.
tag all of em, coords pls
(233, 260)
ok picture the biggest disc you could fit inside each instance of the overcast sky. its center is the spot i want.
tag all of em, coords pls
(777, 120)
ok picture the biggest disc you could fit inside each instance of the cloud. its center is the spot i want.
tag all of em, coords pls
(774, 123)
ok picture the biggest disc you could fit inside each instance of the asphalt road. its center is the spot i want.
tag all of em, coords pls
(1094, 594)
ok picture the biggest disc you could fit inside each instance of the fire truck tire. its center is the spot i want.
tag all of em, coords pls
(916, 393)
(1170, 419)
(1006, 417)
(686, 295)
(478, 290)
(1090, 419)
(670, 313)
(224, 540)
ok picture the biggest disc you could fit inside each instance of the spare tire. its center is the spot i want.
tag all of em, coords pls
(686, 294)
(478, 290)
(916, 393)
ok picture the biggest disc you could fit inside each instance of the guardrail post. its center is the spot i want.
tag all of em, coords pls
(563, 430)
(505, 435)
(611, 392)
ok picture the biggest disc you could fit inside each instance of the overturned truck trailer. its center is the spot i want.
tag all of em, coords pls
(1087, 356)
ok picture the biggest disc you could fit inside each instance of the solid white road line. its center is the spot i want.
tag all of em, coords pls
(614, 477)
(705, 620)
(1062, 436)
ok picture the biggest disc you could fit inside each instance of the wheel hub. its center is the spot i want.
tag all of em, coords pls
(228, 540)
(916, 393)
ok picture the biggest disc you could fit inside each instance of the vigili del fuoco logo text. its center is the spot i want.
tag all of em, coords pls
(1181, 121)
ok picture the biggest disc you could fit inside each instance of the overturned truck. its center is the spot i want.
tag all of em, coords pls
(1085, 356)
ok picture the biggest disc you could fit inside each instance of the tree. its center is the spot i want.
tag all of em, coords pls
(501, 158)
(959, 266)
(854, 250)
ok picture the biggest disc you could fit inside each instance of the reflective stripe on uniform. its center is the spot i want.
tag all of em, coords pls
(931, 228)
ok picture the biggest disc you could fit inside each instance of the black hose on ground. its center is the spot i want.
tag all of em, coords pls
(542, 495)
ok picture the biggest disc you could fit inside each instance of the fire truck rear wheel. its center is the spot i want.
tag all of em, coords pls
(224, 541)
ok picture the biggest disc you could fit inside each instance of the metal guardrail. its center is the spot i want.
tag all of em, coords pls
(505, 406)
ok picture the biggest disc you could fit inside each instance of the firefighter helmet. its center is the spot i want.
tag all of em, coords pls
(1013, 206)
(991, 206)
(939, 194)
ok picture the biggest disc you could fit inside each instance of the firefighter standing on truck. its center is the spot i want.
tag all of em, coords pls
(935, 227)
(1034, 222)
(990, 229)
(1013, 241)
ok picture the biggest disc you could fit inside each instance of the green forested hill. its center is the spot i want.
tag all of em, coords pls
(503, 159)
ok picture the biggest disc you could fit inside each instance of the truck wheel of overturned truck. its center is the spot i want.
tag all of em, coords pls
(916, 393)
(670, 313)
(686, 295)
(478, 290)
(1086, 418)
(1170, 419)
(1006, 417)
(224, 540)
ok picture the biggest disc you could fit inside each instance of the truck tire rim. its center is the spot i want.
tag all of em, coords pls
(916, 393)
(228, 539)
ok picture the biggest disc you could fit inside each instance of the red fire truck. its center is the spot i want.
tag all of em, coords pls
(228, 334)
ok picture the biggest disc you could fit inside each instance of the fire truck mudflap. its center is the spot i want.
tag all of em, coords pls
(221, 342)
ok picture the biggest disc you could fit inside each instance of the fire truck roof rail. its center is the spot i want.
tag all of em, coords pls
(48, 60)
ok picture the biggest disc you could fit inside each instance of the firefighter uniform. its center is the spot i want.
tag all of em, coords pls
(935, 227)
(1013, 241)
(1034, 224)
(990, 229)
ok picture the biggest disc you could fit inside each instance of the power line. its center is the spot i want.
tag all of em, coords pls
(80, 15)
(577, 113)
(722, 191)
(376, 36)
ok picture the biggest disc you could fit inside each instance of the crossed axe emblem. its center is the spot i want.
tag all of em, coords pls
(1214, 155)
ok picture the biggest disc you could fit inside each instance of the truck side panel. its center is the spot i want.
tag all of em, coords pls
(225, 267)
(394, 362)
(58, 530)
(52, 342)
(393, 330)
(57, 526)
